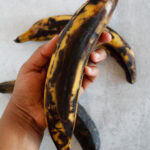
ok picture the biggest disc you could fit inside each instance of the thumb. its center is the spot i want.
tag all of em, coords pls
(41, 56)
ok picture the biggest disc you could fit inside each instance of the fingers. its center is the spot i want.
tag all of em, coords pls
(98, 56)
(105, 37)
(91, 73)
(85, 83)
(42, 55)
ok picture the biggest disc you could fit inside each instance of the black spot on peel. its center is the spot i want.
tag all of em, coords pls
(68, 127)
(17, 40)
(59, 25)
(63, 138)
(51, 21)
(96, 1)
(122, 50)
(44, 33)
(54, 28)
(48, 97)
(57, 71)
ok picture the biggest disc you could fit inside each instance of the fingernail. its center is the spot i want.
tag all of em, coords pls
(104, 54)
(88, 69)
(100, 56)
(109, 37)
(97, 56)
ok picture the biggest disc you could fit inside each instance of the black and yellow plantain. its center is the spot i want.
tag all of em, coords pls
(122, 52)
(44, 29)
(66, 68)
(47, 28)
(85, 130)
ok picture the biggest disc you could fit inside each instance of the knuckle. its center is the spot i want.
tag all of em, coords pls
(24, 66)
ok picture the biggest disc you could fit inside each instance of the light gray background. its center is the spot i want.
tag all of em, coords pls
(120, 110)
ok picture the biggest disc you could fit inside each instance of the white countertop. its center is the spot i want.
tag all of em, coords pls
(121, 111)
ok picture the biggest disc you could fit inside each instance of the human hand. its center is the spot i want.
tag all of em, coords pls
(24, 117)
(29, 86)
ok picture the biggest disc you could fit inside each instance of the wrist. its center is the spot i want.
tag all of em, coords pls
(19, 117)
(20, 126)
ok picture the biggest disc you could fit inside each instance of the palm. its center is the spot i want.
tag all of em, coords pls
(30, 98)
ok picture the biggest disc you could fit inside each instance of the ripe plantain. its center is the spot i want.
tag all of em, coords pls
(85, 130)
(66, 68)
(122, 52)
(44, 29)
(118, 48)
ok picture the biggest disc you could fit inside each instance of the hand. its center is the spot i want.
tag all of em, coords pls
(29, 87)
(24, 117)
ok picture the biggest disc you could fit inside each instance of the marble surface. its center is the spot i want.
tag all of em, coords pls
(121, 111)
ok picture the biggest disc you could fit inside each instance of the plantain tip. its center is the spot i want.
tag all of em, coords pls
(133, 81)
(3, 89)
(130, 79)
(17, 40)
